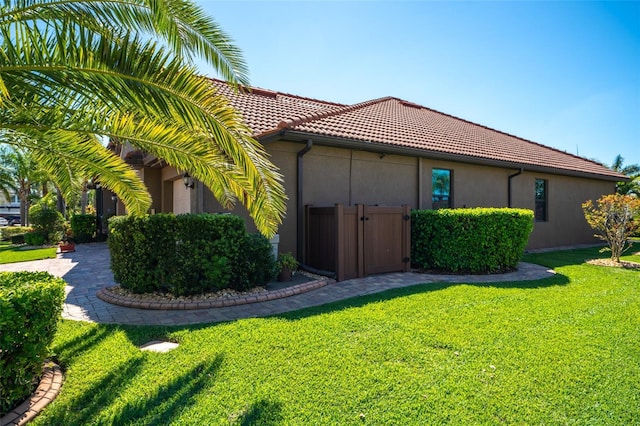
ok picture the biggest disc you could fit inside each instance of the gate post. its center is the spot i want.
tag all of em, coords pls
(338, 212)
(360, 238)
(406, 237)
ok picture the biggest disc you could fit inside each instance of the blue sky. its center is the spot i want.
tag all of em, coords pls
(564, 74)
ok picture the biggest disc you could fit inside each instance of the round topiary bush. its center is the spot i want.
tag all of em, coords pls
(30, 306)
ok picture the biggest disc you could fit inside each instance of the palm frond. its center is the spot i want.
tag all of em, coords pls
(181, 147)
(184, 26)
(70, 78)
(65, 155)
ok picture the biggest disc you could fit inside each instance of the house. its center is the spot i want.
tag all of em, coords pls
(392, 152)
(10, 208)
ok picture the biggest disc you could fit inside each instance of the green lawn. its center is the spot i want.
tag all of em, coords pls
(564, 350)
(11, 254)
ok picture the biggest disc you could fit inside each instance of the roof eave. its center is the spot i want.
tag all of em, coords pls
(297, 136)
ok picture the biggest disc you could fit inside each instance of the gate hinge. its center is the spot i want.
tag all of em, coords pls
(405, 260)
(406, 217)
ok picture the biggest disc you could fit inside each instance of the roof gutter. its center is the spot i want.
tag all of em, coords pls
(519, 172)
(300, 198)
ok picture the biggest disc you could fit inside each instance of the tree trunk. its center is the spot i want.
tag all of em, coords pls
(23, 194)
(83, 198)
(60, 203)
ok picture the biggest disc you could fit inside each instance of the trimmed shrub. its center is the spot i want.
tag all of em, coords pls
(47, 222)
(17, 239)
(185, 254)
(33, 238)
(207, 247)
(481, 240)
(83, 227)
(142, 251)
(30, 305)
(257, 265)
(6, 232)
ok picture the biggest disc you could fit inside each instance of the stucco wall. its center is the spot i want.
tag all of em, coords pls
(565, 223)
(337, 175)
(153, 181)
(181, 198)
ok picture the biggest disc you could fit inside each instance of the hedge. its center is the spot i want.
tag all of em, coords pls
(30, 305)
(480, 240)
(83, 227)
(33, 238)
(6, 232)
(17, 239)
(187, 254)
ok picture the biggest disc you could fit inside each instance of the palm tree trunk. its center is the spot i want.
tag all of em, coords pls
(23, 194)
(60, 204)
(83, 198)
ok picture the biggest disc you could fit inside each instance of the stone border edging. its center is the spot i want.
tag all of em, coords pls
(106, 295)
(47, 390)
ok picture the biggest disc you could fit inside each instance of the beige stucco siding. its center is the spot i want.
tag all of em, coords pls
(152, 179)
(334, 175)
(565, 223)
(473, 186)
(181, 198)
(337, 175)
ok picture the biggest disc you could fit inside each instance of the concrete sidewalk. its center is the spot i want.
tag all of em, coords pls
(87, 271)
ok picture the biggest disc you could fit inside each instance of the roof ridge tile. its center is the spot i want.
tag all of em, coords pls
(270, 93)
(306, 119)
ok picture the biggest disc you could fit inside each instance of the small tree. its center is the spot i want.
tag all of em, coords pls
(46, 220)
(615, 219)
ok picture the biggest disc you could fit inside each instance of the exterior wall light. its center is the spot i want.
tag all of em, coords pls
(188, 181)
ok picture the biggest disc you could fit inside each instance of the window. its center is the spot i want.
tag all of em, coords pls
(441, 188)
(541, 200)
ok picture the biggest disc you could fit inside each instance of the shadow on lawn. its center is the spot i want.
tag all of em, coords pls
(160, 406)
(556, 259)
(81, 343)
(261, 412)
(86, 408)
(169, 401)
(360, 301)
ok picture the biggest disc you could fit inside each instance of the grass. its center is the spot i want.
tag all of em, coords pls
(564, 350)
(11, 253)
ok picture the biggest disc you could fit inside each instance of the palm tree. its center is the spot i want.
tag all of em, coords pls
(7, 183)
(75, 72)
(25, 175)
(633, 171)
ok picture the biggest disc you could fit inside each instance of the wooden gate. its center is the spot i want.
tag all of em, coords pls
(356, 241)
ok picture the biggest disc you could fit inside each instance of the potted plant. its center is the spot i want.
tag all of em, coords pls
(287, 265)
(67, 245)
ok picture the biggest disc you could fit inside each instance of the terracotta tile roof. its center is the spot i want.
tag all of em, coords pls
(397, 123)
(264, 109)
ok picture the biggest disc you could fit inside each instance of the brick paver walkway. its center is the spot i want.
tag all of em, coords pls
(87, 271)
